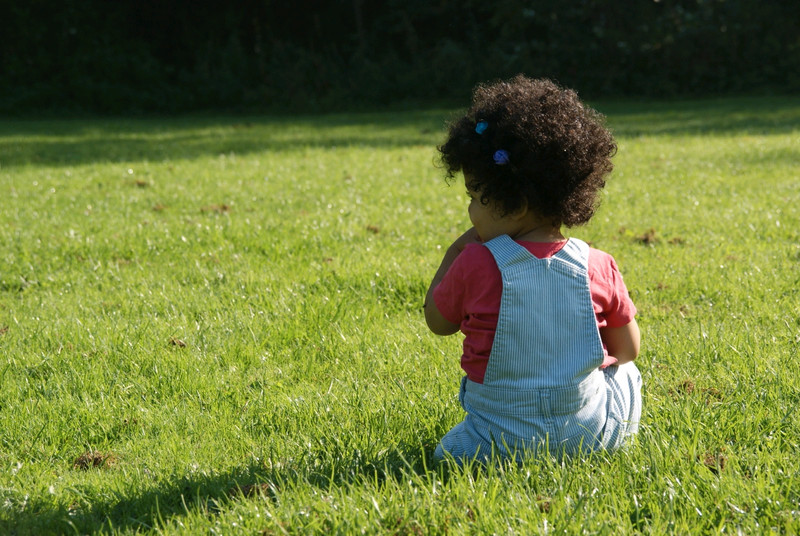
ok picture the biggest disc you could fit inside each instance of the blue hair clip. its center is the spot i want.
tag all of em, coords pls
(501, 157)
(481, 126)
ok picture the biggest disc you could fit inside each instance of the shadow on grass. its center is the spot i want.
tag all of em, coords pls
(208, 495)
(77, 142)
(762, 115)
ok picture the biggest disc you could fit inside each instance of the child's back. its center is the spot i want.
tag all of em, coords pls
(543, 387)
(548, 356)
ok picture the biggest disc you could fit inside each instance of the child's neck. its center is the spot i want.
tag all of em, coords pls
(537, 229)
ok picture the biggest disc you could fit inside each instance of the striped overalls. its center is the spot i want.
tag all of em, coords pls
(543, 390)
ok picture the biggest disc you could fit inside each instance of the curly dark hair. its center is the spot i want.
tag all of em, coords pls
(559, 150)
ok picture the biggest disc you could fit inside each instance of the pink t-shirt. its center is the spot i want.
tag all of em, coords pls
(469, 295)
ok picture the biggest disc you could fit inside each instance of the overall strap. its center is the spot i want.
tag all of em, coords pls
(575, 252)
(506, 252)
(546, 335)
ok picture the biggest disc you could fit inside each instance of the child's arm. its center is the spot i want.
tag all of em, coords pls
(436, 322)
(622, 343)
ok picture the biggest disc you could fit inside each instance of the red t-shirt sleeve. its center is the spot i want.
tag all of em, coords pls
(448, 296)
(612, 305)
(470, 286)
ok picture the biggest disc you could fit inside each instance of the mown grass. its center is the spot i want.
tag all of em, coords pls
(213, 325)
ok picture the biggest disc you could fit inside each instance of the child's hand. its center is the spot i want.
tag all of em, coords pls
(608, 361)
(470, 237)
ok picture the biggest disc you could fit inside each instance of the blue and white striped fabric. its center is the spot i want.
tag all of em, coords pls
(543, 388)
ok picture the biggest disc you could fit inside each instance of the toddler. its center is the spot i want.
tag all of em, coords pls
(549, 329)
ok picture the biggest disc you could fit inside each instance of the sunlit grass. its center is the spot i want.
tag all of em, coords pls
(193, 306)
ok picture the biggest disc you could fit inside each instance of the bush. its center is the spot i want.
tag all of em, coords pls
(140, 57)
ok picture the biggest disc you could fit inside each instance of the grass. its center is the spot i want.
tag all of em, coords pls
(213, 325)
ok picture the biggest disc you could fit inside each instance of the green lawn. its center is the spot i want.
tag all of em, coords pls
(191, 307)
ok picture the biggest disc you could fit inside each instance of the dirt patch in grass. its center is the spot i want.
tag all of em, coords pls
(178, 343)
(94, 458)
(714, 461)
(219, 209)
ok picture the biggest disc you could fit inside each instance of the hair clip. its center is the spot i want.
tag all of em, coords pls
(501, 157)
(481, 126)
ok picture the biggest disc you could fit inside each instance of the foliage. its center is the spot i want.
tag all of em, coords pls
(213, 325)
(144, 56)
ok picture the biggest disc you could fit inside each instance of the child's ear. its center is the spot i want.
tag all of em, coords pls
(521, 212)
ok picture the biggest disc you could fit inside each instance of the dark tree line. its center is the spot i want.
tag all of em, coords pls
(175, 55)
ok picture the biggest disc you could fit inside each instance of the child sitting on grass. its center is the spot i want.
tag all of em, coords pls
(549, 329)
